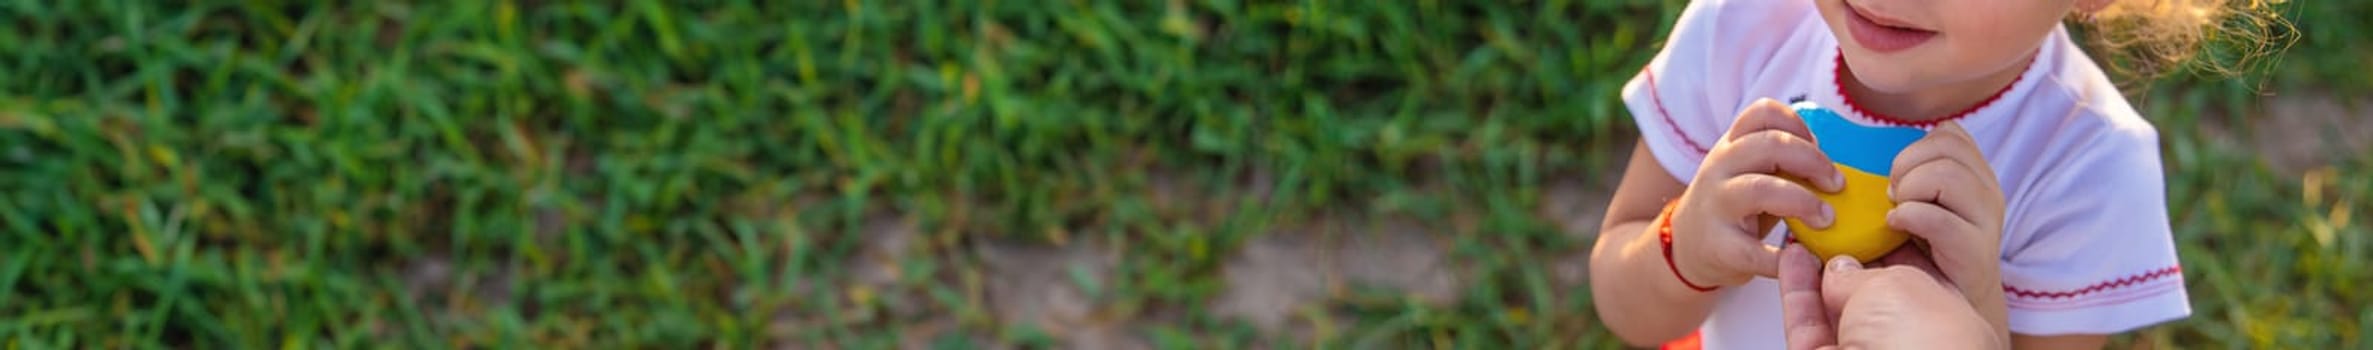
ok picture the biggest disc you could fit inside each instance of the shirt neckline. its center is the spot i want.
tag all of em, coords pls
(1985, 110)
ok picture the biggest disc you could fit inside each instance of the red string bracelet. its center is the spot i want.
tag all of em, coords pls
(1664, 232)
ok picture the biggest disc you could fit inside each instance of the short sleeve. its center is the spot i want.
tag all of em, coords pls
(2089, 249)
(1687, 96)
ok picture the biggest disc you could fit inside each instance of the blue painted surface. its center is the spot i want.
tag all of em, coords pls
(1870, 149)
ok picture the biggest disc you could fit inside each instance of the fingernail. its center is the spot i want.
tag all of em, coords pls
(1837, 180)
(1828, 216)
(1844, 263)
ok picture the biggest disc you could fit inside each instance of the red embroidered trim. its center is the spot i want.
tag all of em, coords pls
(2170, 271)
(2120, 296)
(1658, 98)
(1838, 79)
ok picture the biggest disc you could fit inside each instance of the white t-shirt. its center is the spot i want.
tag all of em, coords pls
(2086, 247)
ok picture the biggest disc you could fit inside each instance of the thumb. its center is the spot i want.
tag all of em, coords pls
(1735, 258)
(1840, 280)
(1745, 254)
(1844, 264)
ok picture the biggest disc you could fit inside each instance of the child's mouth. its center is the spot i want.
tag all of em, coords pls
(1882, 34)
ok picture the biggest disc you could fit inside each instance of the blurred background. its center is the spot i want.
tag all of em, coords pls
(956, 174)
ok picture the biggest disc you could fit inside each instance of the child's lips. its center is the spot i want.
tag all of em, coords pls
(1884, 20)
(1884, 34)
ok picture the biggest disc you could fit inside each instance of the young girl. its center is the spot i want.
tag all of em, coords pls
(2036, 194)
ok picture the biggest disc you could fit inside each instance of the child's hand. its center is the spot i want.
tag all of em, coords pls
(1720, 220)
(1946, 195)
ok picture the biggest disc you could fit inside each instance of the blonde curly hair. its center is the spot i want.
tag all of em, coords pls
(2145, 39)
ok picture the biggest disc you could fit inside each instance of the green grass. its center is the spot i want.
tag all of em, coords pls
(653, 173)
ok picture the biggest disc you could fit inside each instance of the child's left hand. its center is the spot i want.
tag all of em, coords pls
(1947, 196)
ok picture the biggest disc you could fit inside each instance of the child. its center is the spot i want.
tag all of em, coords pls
(2036, 194)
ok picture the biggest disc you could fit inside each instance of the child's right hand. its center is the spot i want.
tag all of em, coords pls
(1742, 188)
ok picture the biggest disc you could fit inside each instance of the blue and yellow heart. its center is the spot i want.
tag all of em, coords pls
(1865, 154)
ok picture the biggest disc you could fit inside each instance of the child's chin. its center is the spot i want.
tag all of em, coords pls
(1886, 81)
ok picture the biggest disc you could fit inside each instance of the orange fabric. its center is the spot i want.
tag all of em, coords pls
(1691, 342)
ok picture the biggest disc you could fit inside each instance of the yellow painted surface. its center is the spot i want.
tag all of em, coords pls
(1861, 227)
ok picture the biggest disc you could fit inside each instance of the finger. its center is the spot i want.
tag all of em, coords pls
(1945, 182)
(1935, 224)
(1772, 195)
(1932, 224)
(1799, 270)
(1966, 147)
(1804, 318)
(1777, 153)
(1941, 144)
(1768, 114)
(1840, 279)
(1914, 255)
(1748, 255)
